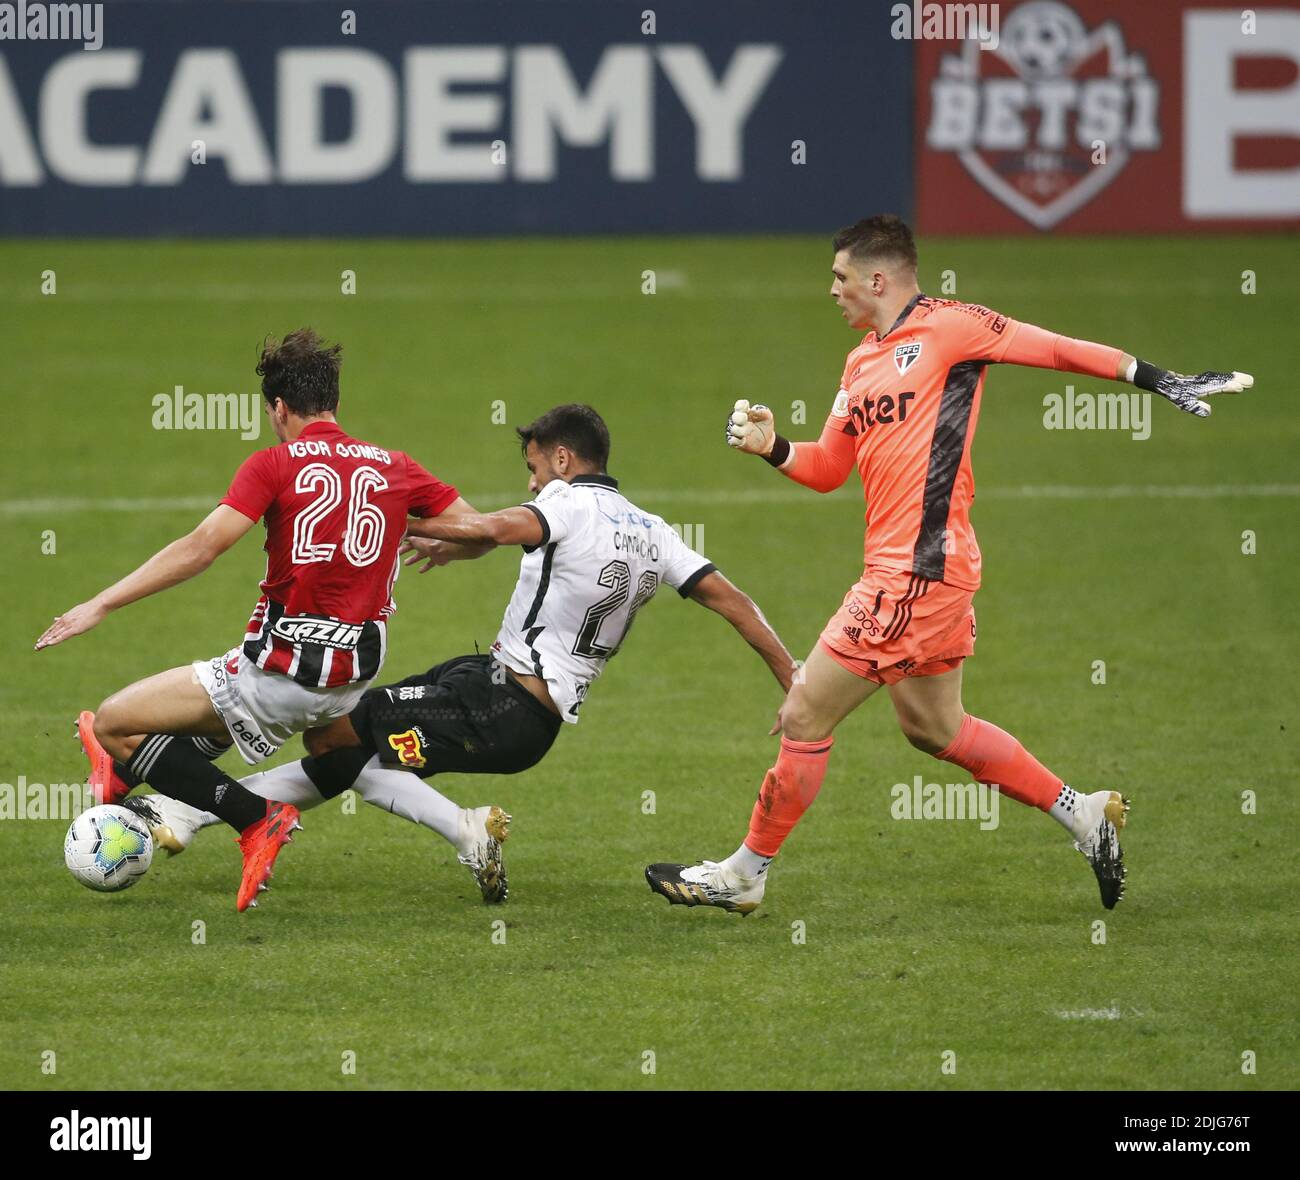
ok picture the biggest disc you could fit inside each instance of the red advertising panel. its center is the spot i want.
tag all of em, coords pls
(1087, 116)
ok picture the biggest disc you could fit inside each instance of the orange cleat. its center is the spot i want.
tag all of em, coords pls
(103, 779)
(261, 843)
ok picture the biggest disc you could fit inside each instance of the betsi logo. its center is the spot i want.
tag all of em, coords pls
(1050, 117)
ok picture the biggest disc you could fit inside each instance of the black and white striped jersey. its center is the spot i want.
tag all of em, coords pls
(600, 560)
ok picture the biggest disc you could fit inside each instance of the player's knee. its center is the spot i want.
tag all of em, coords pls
(333, 736)
(928, 734)
(316, 742)
(109, 719)
(801, 723)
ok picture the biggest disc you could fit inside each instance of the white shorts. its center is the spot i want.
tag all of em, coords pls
(263, 710)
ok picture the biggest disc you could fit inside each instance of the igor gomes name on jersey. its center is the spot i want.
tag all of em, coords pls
(600, 560)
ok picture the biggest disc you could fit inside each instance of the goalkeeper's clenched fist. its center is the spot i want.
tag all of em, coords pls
(751, 429)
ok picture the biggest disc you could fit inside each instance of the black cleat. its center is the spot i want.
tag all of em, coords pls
(705, 884)
(1101, 820)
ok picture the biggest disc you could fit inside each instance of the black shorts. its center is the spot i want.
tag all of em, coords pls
(467, 715)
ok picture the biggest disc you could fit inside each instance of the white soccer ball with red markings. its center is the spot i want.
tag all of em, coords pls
(108, 848)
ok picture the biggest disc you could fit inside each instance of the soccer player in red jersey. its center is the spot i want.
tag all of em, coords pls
(336, 511)
(905, 415)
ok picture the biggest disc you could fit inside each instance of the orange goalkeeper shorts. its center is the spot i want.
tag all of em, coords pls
(893, 624)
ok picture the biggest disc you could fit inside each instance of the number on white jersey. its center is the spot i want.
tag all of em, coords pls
(617, 575)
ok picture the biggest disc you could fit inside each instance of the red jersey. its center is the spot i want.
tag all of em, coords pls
(335, 512)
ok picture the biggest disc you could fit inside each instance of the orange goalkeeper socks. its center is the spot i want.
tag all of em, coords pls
(993, 756)
(788, 790)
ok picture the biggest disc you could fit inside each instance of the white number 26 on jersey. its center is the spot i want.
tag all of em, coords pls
(363, 538)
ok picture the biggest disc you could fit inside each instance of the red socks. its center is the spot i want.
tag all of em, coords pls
(993, 756)
(788, 790)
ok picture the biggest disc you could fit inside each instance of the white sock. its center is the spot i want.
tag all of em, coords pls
(401, 793)
(1066, 807)
(285, 784)
(746, 863)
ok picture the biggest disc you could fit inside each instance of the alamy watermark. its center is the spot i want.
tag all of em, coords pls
(53, 22)
(1098, 411)
(179, 410)
(919, 21)
(24, 800)
(921, 800)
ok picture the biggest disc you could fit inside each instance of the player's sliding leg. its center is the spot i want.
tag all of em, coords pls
(932, 718)
(433, 729)
(463, 716)
(145, 726)
(822, 695)
(395, 791)
(476, 833)
(174, 824)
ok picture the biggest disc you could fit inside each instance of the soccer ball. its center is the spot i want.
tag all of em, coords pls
(108, 848)
(1043, 38)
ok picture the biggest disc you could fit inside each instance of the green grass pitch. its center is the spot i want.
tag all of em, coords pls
(919, 938)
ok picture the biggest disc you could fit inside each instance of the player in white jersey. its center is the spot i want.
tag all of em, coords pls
(592, 559)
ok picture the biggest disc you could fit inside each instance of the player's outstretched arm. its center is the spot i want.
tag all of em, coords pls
(510, 526)
(180, 561)
(823, 465)
(734, 605)
(1035, 346)
(437, 553)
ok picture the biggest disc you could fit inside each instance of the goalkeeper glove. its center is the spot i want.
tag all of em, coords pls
(1186, 392)
(751, 429)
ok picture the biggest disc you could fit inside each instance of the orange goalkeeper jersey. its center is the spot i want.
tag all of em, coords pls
(909, 401)
(906, 412)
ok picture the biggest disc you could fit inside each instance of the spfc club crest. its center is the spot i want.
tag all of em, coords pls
(1051, 116)
(905, 356)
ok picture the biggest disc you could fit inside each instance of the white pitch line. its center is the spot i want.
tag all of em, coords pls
(1091, 1014)
(52, 505)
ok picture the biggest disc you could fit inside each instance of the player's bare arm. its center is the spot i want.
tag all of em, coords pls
(178, 562)
(510, 526)
(733, 604)
(438, 553)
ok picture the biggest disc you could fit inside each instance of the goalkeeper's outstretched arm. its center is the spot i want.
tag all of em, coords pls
(1039, 348)
(823, 465)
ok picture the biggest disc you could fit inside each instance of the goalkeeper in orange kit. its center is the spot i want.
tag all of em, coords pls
(905, 414)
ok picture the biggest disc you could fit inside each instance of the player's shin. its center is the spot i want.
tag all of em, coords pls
(400, 792)
(289, 783)
(993, 756)
(788, 790)
(175, 767)
(210, 748)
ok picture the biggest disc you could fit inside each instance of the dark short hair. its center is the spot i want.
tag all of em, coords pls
(302, 371)
(885, 238)
(579, 428)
